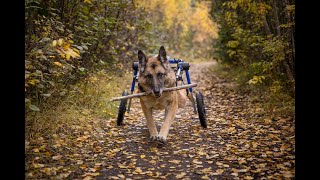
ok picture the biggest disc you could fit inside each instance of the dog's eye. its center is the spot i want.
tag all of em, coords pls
(160, 74)
(149, 76)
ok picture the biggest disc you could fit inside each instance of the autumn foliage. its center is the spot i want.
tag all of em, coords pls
(78, 55)
(258, 37)
(68, 40)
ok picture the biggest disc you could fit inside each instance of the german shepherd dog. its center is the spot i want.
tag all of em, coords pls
(155, 74)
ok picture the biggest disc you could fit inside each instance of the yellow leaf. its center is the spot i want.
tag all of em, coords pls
(58, 64)
(35, 150)
(76, 50)
(32, 82)
(121, 176)
(195, 161)
(47, 171)
(181, 175)
(54, 43)
(62, 55)
(143, 156)
(243, 170)
(67, 56)
(60, 41)
(234, 174)
(122, 166)
(248, 177)
(66, 46)
(241, 161)
(113, 177)
(137, 171)
(218, 172)
(88, 1)
(206, 170)
(57, 157)
(201, 153)
(35, 165)
(71, 53)
(205, 177)
(153, 162)
(79, 162)
(175, 161)
(288, 174)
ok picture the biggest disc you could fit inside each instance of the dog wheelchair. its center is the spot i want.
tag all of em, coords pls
(179, 66)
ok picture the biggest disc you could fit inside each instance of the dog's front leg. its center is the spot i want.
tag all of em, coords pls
(150, 122)
(170, 113)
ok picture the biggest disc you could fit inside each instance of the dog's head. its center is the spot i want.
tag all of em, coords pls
(153, 71)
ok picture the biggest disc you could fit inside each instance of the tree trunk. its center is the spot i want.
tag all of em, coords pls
(105, 16)
(291, 39)
(288, 58)
(276, 17)
(265, 24)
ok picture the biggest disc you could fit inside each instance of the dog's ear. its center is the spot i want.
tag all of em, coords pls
(162, 55)
(142, 60)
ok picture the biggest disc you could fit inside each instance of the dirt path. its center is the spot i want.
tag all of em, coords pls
(236, 145)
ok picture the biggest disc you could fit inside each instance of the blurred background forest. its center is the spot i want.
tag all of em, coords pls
(77, 52)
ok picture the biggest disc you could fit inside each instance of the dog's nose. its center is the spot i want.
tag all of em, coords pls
(156, 91)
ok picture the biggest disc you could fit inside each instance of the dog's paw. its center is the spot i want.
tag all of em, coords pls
(162, 139)
(152, 138)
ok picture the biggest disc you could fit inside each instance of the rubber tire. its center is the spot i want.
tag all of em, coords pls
(201, 109)
(122, 109)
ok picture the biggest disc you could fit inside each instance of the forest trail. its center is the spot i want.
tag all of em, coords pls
(239, 143)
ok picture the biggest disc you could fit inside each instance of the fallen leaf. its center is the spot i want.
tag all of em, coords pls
(195, 161)
(79, 162)
(218, 172)
(122, 166)
(121, 176)
(202, 153)
(234, 174)
(248, 177)
(181, 175)
(36, 150)
(243, 170)
(57, 157)
(36, 165)
(241, 161)
(206, 170)
(175, 161)
(54, 43)
(113, 177)
(205, 177)
(60, 41)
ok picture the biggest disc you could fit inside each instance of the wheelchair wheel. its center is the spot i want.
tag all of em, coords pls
(122, 109)
(201, 109)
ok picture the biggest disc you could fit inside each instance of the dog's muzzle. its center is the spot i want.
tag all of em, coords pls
(157, 92)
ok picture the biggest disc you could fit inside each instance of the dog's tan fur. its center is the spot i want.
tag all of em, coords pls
(155, 73)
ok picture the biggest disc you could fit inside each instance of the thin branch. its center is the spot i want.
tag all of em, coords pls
(147, 93)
